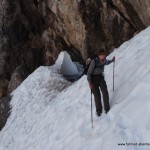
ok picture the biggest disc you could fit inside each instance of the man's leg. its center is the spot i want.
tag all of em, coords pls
(97, 98)
(104, 90)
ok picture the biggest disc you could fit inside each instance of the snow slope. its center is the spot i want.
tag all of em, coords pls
(49, 113)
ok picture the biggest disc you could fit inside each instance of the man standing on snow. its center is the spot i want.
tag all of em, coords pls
(95, 77)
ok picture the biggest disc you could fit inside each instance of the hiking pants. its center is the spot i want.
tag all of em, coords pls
(99, 83)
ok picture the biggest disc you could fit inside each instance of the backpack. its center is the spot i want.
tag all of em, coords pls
(87, 64)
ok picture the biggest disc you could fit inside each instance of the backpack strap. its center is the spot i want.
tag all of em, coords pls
(95, 64)
(88, 61)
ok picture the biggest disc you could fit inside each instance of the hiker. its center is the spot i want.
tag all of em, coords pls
(95, 77)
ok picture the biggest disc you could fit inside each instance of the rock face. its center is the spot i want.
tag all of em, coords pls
(4, 110)
(21, 44)
(34, 32)
(137, 12)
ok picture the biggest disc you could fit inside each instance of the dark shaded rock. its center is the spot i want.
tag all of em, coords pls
(3, 86)
(132, 13)
(18, 76)
(106, 28)
(4, 110)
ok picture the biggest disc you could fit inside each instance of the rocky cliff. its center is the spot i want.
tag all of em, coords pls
(33, 32)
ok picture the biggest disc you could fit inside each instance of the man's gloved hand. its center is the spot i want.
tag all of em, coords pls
(113, 59)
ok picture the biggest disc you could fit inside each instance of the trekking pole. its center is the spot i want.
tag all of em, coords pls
(91, 110)
(113, 75)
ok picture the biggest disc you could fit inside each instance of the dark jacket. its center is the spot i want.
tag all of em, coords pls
(96, 68)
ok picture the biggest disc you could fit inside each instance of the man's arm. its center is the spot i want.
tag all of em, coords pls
(110, 61)
(90, 71)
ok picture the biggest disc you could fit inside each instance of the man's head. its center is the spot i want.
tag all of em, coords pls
(101, 54)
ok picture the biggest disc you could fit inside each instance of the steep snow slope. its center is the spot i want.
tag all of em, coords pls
(48, 115)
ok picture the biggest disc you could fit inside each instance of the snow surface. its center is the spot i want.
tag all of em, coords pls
(49, 113)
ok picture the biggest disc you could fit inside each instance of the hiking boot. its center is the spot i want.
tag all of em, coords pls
(98, 114)
(106, 111)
